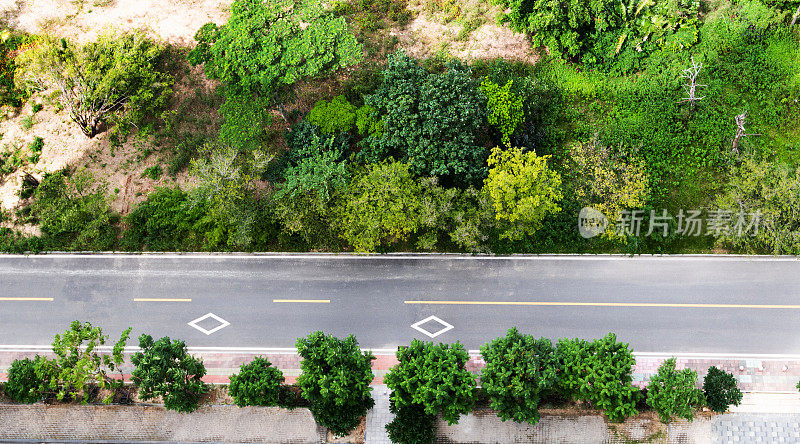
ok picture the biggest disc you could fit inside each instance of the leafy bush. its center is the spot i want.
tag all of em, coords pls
(519, 370)
(9, 93)
(599, 372)
(30, 380)
(432, 122)
(380, 206)
(721, 390)
(523, 190)
(334, 116)
(335, 379)
(257, 383)
(165, 368)
(115, 73)
(433, 377)
(81, 367)
(165, 221)
(505, 108)
(74, 211)
(767, 194)
(411, 425)
(673, 393)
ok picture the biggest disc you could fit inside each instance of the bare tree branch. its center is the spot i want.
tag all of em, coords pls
(690, 74)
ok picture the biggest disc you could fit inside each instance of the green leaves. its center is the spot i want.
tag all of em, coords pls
(165, 369)
(523, 190)
(506, 108)
(673, 393)
(257, 383)
(335, 379)
(334, 116)
(599, 372)
(433, 377)
(31, 380)
(519, 371)
(721, 390)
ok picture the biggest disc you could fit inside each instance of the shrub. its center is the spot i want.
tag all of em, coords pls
(599, 372)
(673, 393)
(165, 221)
(30, 380)
(335, 379)
(433, 377)
(411, 425)
(165, 368)
(721, 390)
(519, 370)
(523, 190)
(380, 206)
(115, 73)
(74, 211)
(505, 108)
(257, 383)
(334, 116)
(9, 93)
(79, 364)
(432, 122)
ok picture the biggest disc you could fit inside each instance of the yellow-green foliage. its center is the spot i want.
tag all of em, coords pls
(506, 113)
(523, 190)
(608, 181)
(333, 116)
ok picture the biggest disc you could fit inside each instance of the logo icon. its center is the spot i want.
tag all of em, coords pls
(591, 222)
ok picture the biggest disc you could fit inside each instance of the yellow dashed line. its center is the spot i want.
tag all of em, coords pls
(28, 299)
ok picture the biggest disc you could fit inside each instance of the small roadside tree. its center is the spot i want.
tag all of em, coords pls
(721, 390)
(165, 368)
(433, 377)
(411, 425)
(519, 369)
(335, 379)
(598, 372)
(673, 393)
(81, 366)
(257, 383)
(112, 74)
(523, 190)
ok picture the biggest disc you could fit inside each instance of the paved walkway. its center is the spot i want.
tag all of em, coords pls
(756, 428)
(770, 383)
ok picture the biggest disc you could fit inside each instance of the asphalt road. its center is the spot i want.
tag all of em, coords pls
(670, 305)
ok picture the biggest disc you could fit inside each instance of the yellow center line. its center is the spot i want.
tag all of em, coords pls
(28, 299)
(604, 304)
(304, 301)
(160, 300)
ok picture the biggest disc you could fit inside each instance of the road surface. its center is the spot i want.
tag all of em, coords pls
(682, 304)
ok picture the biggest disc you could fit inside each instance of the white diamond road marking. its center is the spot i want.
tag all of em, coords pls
(223, 323)
(418, 326)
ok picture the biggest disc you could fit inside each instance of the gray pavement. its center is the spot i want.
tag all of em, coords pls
(368, 295)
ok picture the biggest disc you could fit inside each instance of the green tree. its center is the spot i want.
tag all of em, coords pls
(380, 206)
(165, 369)
(81, 366)
(433, 377)
(519, 370)
(523, 190)
(257, 383)
(226, 186)
(432, 122)
(673, 393)
(599, 372)
(721, 390)
(334, 116)
(165, 221)
(74, 211)
(335, 379)
(608, 180)
(115, 73)
(31, 380)
(506, 111)
(767, 195)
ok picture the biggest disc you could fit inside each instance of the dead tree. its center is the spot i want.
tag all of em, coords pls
(690, 74)
(794, 17)
(740, 131)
